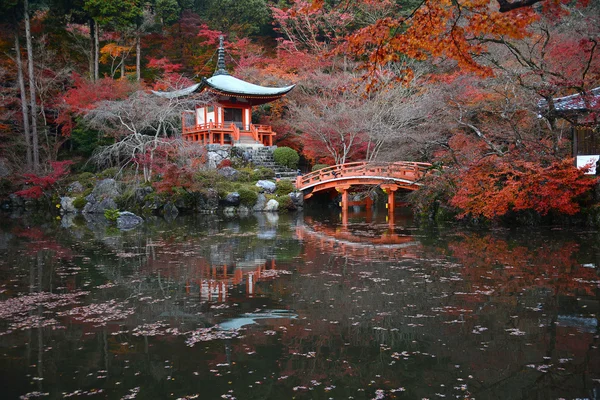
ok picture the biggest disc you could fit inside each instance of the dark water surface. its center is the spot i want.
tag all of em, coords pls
(296, 307)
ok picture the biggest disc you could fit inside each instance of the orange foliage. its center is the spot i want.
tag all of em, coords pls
(487, 258)
(495, 185)
(456, 30)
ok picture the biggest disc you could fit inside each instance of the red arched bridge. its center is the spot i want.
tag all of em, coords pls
(388, 176)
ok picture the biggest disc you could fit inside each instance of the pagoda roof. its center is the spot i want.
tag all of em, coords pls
(228, 85)
(221, 83)
(232, 86)
(579, 102)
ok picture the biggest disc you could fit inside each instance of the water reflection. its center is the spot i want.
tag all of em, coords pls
(275, 307)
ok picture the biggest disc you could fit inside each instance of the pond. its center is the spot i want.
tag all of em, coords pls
(296, 306)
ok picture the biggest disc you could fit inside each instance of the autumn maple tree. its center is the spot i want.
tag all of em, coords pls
(39, 184)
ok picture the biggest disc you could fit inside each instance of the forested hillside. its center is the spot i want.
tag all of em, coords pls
(455, 82)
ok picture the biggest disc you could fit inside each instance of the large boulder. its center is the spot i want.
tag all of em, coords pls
(75, 187)
(272, 205)
(98, 207)
(106, 188)
(232, 199)
(128, 220)
(170, 211)
(206, 201)
(297, 199)
(267, 186)
(66, 205)
(228, 173)
(261, 202)
(140, 193)
(215, 154)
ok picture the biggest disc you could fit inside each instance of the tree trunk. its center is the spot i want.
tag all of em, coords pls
(122, 65)
(24, 108)
(32, 95)
(92, 58)
(138, 56)
(96, 52)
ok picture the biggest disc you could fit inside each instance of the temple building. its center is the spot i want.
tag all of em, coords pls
(228, 119)
(582, 111)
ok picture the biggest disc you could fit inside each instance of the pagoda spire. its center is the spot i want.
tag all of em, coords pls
(221, 59)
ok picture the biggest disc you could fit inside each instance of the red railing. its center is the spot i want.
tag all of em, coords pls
(207, 126)
(410, 171)
(254, 132)
(263, 128)
(235, 132)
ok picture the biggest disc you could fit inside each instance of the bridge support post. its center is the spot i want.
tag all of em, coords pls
(344, 204)
(369, 208)
(391, 202)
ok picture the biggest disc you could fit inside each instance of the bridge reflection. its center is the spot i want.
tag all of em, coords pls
(361, 241)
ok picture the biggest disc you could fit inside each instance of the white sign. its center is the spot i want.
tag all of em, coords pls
(590, 161)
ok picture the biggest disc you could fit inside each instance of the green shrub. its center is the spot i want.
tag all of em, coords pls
(208, 178)
(317, 167)
(126, 200)
(247, 197)
(244, 175)
(285, 203)
(284, 187)
(262, 173)
(108, 173)
(79, 202)
(112, 214)
(286, 156)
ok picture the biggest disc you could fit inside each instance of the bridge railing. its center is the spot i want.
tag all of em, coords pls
(411, 171)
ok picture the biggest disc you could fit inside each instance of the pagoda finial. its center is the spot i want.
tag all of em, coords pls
(221, 59)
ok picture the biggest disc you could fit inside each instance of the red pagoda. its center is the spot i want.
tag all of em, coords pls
(228, 119)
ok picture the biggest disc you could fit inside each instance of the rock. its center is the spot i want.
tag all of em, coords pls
(206, 201)
(75, 187)
(229, 211)
(106, 188)
(267, 186)
(273, 219)
(170, 211)
(297, 199)
(243, 211)
(261, 201)
(215, 154)
(4, 168)
(95, 207)
(232, 199)
(66, 205)
(67, 221)
(228, 173)
(272, 205)
(140, 193)
(128, 220)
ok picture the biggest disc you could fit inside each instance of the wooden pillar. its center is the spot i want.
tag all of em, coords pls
(270, 140)
(369, 208)
(344, 203)
(210, 137)
(222, 138)
(391, 202)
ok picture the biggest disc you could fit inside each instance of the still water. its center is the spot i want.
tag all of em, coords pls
(296, 307)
